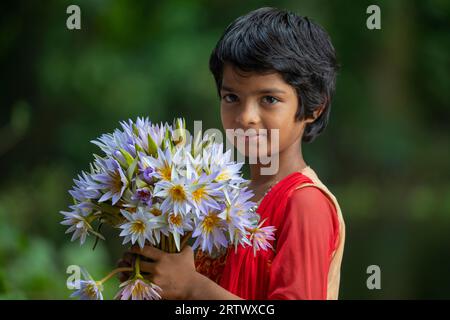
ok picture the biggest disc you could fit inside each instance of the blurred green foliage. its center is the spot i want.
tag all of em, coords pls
(385, 153)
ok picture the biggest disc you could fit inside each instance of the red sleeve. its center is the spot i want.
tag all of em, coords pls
(306, 240)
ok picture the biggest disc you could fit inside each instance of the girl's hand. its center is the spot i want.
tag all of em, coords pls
(174, 272)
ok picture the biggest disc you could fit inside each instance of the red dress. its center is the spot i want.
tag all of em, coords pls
(307, 231)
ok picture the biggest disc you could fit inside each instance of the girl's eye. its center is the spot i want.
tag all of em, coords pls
(270, 100)
(230, 98)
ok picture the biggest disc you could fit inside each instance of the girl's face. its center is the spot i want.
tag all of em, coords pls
(259, 101)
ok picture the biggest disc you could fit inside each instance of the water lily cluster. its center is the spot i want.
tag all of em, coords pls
(160, 187)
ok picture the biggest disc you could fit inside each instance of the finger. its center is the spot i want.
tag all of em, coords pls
(149, 267)
(128, 257)
(149, 277)
(148, 252)
(124, 276)
(123, 264)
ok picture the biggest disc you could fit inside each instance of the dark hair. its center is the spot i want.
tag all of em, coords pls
(267, 40)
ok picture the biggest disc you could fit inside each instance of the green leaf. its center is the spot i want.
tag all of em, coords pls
(138, 148)
(135, 130)
(166, 135)
(123, 164)
(129, 159)
(152, 147)
(171, 145)
(132, 168)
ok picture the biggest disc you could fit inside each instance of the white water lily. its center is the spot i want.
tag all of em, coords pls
(139, 227)
(260, 237)
(177, 226)
(210, 232)
(176, 195)
(83, 190)
(238, 215)
(163, 165)
(206, 194)
(221, 163)
(111, 144)
(77, 222)
(89, 289)
(110, 177)
(139, 289)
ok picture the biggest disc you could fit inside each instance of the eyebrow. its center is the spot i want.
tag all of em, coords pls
(262, 91)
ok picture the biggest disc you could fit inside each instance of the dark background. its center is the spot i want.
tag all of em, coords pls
(385, 154)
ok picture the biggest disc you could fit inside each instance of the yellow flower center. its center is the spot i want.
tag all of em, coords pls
(175, 219)
(166, 172)
(138, 227)
(138, 289)
(211, 221)
(198, 194)
(177, 193)
(116, 182)
(91, 290)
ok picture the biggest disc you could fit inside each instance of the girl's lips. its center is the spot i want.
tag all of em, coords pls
(252, 138)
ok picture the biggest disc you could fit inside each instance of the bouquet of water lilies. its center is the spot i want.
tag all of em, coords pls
(161, 189)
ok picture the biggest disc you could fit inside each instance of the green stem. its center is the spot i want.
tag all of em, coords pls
(112, 273)
(137, 266)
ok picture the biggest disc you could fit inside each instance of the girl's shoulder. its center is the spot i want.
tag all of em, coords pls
(309, 218)
(310, 197)
(309, 205)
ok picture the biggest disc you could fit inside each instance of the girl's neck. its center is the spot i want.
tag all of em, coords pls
(290, 160)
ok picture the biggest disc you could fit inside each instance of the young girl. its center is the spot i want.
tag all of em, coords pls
(274, 70)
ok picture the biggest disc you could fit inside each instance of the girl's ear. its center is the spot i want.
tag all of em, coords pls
(316, 113)
(319, 111)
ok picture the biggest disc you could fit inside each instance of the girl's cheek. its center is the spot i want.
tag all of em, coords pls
(226, 118)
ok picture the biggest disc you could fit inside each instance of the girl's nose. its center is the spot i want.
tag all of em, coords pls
(248, 115)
